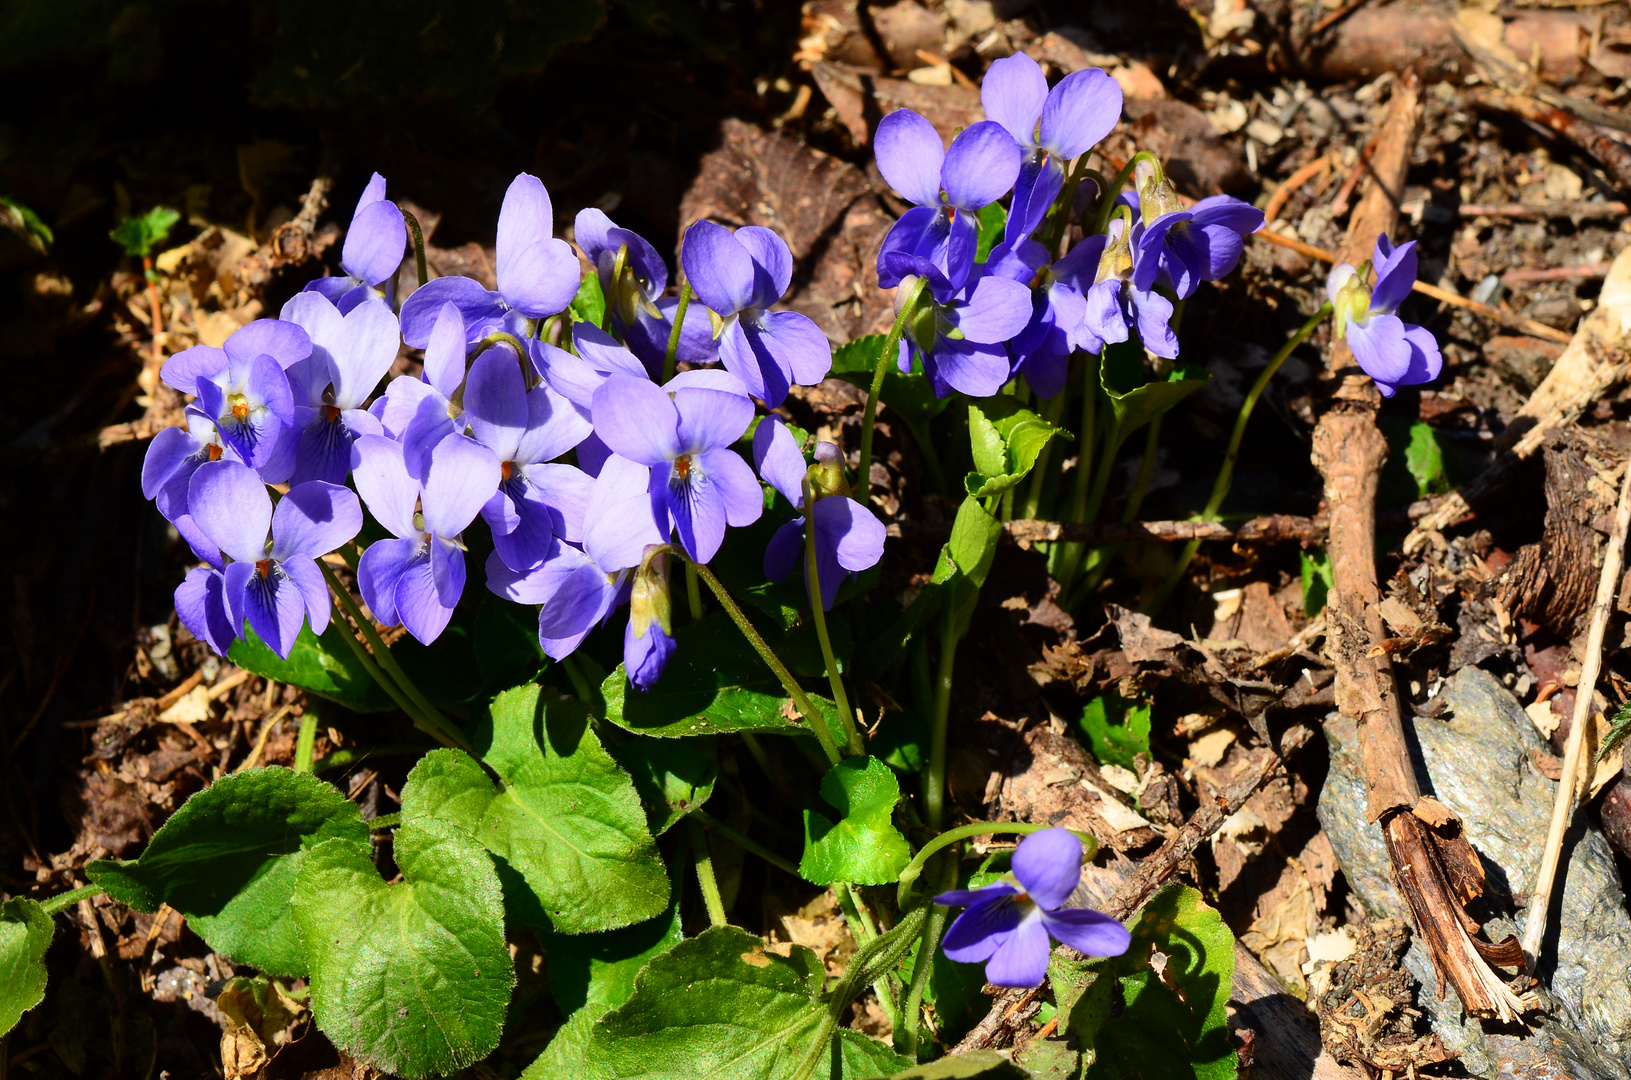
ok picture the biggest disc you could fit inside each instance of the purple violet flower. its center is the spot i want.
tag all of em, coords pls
(698, 484)
(1073, 117)
(577, 587)
(1041, 352)
(202, 608)
(849, 538)
(173, 456)
(350, 355)
(243, 389)
(960, 335)
(640, 314)
(949, 188)
(375, 243)
(1391, 351)
(1181, 248)
(738, 276)
(537, 274)
(1009, 927)
(417, 578)
(273, 585)
(577, 377)
(1100, 268)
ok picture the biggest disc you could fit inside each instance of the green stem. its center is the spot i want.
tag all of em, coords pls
(868, 964)
(864, 930)
(812, 715)
(63, 901)
(671, 357)
(705, 873)
(818, 615)
(1226, 472)
(580, 683)
(914, 869)
(1033, 495)
(1107, 207)
(383, 822)
(308, 735)
(693, 593)
(746, 843)
(1146, 470)
(933, 926)
(418, 247)
(435, 724)
(1065, 555)
(934, 778)
(889, 355)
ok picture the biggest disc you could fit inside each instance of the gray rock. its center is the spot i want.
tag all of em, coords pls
(1476, 762)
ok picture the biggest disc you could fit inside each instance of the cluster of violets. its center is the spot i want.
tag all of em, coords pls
(579, 461)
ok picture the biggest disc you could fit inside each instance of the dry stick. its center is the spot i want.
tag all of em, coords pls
(1540, 898)
(1348, 450)
(1505, 318)
(1277, 201)
(1530, 275)
(1581, 209)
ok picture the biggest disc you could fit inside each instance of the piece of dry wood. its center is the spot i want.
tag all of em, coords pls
(1580, 210)
(1613, 155)
(1530, 275)
(1608, 582)
(1434, 868)
(1597, 357)
(1505, 318)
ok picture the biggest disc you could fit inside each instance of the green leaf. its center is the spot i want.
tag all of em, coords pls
(564, 1057)
(1049, 1059)
(992, 219)
(1132, 1022)
(1117, 729)
(973, 542)
(1618, 729)
(1134, 400)
(325, 665)
(910, 395)
(412, 978)
(590, 304)
(673, 776)
(597, 971)
(567, 818)
(979, 1065)
(986, 444)
(25, 934)
(902, 740)
(506, 645)
(1006, 440)
(228, 860)
(1425, 461)
(864, 847)
(715, 685)
(137, 235)
(20, 218)
(721, 1006)
(1318, 577)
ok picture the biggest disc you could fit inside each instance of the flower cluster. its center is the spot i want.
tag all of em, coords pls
(1029, 305)
(580, 460)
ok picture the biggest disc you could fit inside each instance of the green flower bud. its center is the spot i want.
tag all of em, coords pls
(649, 600)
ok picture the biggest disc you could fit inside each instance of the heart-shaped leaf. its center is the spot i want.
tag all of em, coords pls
(325, 665)
(413, 978)
(25, 934)
(1136, 400)
(863, 847)
(228, 860)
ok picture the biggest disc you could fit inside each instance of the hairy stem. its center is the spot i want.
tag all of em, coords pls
(746, 843)
(418, 248)
(934, 925)
(693, 594)
(870, 962)
(864, 930)
(889, 355)
(934, 777)
(818, 615)
(63, 901)
(308, 736)
(705, 873)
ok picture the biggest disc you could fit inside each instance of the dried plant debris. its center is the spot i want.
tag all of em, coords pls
(1366, 1004)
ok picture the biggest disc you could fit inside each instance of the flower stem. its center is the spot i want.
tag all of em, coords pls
(864, 930)
(386, 684)
(1107, 206)
(889, 355)
(812, 715)
(747, 844)
(1226, 472)
(671, 356)
(1033, 496)
(418, 248)
(868, 964)
(934, 925)
(63, 901)
(705, 873)
(818, 615)
(580, 684)
(934, 778)
(693, 593)
(308, 730)
(914, 869)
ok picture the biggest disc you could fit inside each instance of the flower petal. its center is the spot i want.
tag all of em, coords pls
(187, 368)
(980, 167)
(378, 572)
(565, 489)
(645, 657)
(982, 929)
(375, 243)
(304, 575)
(284, 342)
(418, 605)
(476, 305)
(753, 364)
(1080, 111)
(445, 350)
(976, 370)
(695, 505)
(1012, 94)
(910, 154)
(961, 897)
(777, 457)
(1041, 177)
(619, 523)
(1049, 866)
(720, 269)
(553, 426)
(172, 450)
(274, 607)
(1395, 275)
(525, 218)
(1426, 362)
(1022, 959)
(738, 490)
(637, 420)
(853, 533)
(313, 519)
(384, 484)
(709, 418)
(1091, 933)
(995, 310)
(772, 263)
(1380, 347)
(366, 348)
(541, 279)
(461, 475)
(201, 607)
(495, 401)
(785, 550)
(229, 503)
(447, 571)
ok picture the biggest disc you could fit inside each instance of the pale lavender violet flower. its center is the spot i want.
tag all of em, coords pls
(1009, 927)
(948, 186)
(375, 243)
(350, 355)
(202, 608)
(849, 538)
(738, 276)
(1073, 117)
(243, 389)
(173, 456)
(273, 584)
(1391, 351)
(698, 484)
(417, 578)
(1181, 248)
(960, 335)
(1041, 352)
(1100, 268)
(640, 314)
(537, 274)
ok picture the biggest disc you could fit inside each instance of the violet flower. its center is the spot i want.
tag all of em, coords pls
(242, 389)
(640, 314)
(960, 335)
(576, 377)
(738, 276)
(1009, 927)
(698, 484)
(1181, 248)
(1073, 117)
(537, 274)
(350, 355)
(201, 606)
(577, 588)
(375, 243)
(1391, 351)
(949, 188)
(849, 538)
(273, 585)
(417, 578)
(173, 456)
(1041, 352)
(1100, 268)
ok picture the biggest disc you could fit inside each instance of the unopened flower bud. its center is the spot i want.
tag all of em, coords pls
(1117, 259)
(648, 597)
(1350, 299)
(826, 476)
(1155, 194)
